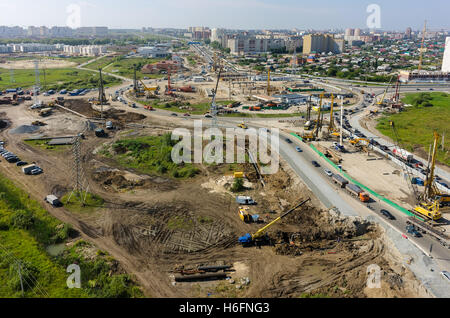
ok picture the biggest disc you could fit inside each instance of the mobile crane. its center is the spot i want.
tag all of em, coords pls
(260, 235)
(426, 203)
(431, 192)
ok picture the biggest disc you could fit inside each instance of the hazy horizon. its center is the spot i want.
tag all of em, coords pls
(231, 14)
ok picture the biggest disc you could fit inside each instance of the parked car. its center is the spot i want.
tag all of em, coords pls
(36, 171)
(387, 214)
(21, 163)
(173, 114)
(315, 164)
(446, 275)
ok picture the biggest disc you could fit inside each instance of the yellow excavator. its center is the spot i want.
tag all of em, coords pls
(258, 236)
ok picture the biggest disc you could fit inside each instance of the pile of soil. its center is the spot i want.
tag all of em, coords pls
(24, 129)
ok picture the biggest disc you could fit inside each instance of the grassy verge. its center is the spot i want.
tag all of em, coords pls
(124, 67)
(92, 202)
(56, 79)
(151, 155)
(430, 112)
(42, 144)
(26, 229)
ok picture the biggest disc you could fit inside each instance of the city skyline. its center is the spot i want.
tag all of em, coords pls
(246, 14)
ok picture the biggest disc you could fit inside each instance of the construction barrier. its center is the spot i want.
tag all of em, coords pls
(394, 205)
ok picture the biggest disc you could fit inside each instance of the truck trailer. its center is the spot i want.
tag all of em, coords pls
(339, 180)
(357, 192)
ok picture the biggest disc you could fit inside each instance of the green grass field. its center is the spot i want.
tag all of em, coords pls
(124, 67)
(26, 230)
(150, 155)
(417, 123)
(68, 78)
(101, 63)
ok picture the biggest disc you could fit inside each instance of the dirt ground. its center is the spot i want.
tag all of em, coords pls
(29, 64)
(155, 225)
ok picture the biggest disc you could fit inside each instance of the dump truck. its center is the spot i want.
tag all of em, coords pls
(357, 192)
(339, 180)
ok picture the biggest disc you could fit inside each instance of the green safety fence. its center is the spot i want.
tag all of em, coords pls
(394, 205)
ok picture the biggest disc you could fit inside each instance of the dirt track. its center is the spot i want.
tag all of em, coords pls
(134, 228)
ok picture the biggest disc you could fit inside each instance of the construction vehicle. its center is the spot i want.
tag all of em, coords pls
(339, 180)
(243, 126)
(149, 107)
(45, 112)
(318, 127)
(357, 192)
(260, 235)
(427, 204)
(153, 90)
(381, 101)
(431, 193)
(246, 217)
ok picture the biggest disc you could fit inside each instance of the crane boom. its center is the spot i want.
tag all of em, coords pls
(331, 126)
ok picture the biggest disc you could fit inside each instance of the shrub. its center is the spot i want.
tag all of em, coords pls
(22, 219)
(238, 185)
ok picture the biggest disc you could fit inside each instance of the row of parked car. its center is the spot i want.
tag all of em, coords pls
(12, 158)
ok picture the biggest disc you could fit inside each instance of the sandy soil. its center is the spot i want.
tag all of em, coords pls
(44, 63)
(313, 251)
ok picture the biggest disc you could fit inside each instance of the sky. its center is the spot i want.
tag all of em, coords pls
(231, 14)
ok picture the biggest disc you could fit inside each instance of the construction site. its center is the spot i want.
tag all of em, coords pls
(185, 231)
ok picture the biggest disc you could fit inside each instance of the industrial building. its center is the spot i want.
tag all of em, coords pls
(154, 51)
(322, 43)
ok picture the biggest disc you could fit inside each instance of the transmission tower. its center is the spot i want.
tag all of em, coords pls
(81, 186)
(101, 93)
(37, 84)
(214, 109)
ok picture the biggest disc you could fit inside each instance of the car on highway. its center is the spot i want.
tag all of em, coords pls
(328, 173)
(387, 214)
(288, 141)
(174, 114)
(446, 275)
(186, 114)
(208, 116)
(315, 164)
(298, 149)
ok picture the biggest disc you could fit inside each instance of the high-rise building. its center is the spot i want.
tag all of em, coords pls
(349, 32)
(446, 60)
(319, 43)
(408, 33)
(358, 32)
